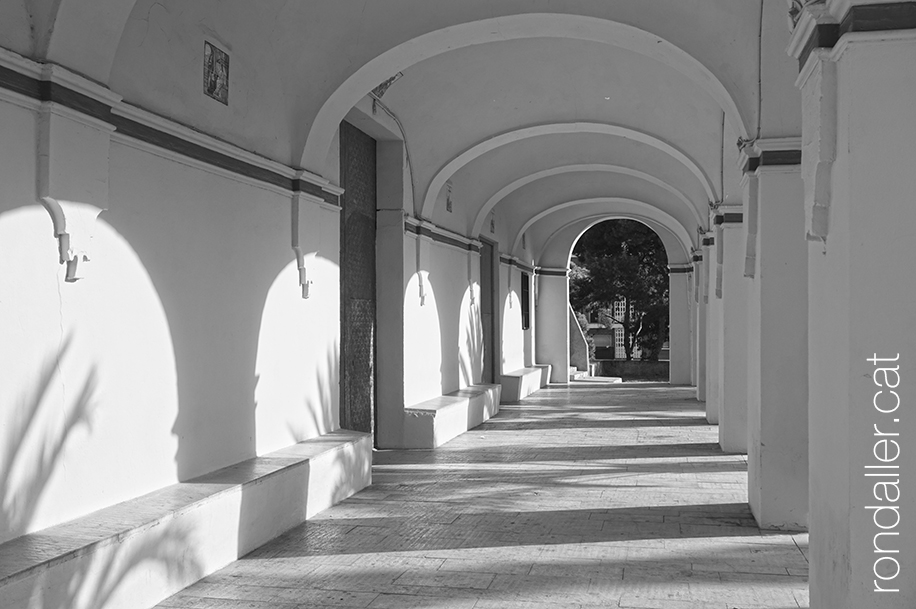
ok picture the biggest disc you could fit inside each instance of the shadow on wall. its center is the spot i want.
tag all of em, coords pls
(296, 369)
(470, 343)
(324, 480)
(26, 471)
(32, 452)
(513, 337)
(422, 341)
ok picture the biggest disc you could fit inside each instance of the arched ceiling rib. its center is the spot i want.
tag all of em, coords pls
(571, 210)
(597, 168)
(504, 139)
(541, 197)
(674, 248)
(561, 234)
(515, 27)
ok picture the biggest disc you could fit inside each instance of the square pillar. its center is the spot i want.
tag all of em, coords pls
(679, 358)
(392, 192)
(858, 143)
(777, 381)
(713, 328)
(552, 321)
(700, 325)
(732, 347)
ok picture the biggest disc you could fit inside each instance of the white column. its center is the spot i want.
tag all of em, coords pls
(858, 144)
(713, 328)
(392, 190)
(678, 325)
(692, 323)
(777, 384)
(700, 324)
(552, 317)
(732, 333)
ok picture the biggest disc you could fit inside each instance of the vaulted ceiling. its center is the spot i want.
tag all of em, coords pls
(536, 114)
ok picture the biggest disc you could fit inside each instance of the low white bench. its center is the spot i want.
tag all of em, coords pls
(436, 421)
(523, 382)
(135, 554)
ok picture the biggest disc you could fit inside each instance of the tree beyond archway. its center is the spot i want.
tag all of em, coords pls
(623, 263)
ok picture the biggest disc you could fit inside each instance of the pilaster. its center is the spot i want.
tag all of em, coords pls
(713, 327)
(73, 158)
(859, 139)
(777, 325)
(680, 358)
(552, 321)
(732, 348)
(700, 314)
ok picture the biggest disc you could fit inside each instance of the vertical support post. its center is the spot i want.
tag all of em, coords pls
(777, 386)
(713, 328)
(392, 193)
(679, 325)
(732, 348)
(552, 317)
(858, 143)
(701, 326)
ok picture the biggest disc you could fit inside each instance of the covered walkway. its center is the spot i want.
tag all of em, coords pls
(590, 495)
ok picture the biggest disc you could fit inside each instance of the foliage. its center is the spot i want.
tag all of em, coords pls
(623, 260)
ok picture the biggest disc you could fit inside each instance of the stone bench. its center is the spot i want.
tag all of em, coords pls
(523, 382)
(134, 554)
(436, 421)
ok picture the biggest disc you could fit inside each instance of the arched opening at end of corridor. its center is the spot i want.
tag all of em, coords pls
(619, 291)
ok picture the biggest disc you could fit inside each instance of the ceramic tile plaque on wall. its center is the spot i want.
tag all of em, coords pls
(216, 73)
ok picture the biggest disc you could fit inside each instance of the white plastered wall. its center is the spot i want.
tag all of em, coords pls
(187, 346)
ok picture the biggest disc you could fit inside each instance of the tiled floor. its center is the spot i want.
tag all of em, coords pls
(589, 496)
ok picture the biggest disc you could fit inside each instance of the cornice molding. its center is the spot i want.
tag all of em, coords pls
(22, 79)
(821, 27)
(426, 229)
(551, 272)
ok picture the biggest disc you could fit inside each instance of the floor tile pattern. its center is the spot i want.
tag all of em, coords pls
(584, 496)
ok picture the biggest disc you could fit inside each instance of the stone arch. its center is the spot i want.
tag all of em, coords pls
(429, 201)
(536, 25)
(674, 248)
(504, 192)
(82, 34)
(618, 207)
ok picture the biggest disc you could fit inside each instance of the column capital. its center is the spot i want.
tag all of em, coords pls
(678, 269)
(551, 272)
(820, 24)
(770, 152)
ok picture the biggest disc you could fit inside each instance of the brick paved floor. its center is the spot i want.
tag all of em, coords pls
(589, 496)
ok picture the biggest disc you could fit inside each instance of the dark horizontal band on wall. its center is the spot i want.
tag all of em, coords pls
(770, 158)
(679, 269)
(698, 257)
(551, 272)
(707, 241)
(515, 263)
(45, 91)
(729, 218)
(862, 18)
(425, 231)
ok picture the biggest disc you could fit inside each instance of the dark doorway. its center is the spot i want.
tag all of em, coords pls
(489, 282)
(357, 279)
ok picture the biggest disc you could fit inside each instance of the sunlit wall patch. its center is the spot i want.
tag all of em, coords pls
(216, 73)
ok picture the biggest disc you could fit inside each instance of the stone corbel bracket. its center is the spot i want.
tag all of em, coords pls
(749, 161)
(306, 232)
(73, 160)
(815, 33)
